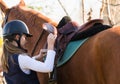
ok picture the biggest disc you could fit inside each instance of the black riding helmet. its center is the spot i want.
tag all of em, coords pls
(16, 27)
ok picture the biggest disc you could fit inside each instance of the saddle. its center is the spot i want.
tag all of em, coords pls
(72, 32)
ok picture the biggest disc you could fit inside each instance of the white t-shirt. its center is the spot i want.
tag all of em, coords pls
(27, 63)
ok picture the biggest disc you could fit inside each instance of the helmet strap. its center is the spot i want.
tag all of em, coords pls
(19, 45)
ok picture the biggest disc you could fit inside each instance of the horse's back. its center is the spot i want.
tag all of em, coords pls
(95, 62)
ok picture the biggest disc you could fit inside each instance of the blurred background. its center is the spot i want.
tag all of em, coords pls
(80, 11)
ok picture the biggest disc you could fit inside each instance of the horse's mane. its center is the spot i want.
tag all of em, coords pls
(29, 16)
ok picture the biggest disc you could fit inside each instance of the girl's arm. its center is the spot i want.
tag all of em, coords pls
(28, 63)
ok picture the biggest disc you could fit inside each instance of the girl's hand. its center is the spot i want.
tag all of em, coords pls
(51, 40)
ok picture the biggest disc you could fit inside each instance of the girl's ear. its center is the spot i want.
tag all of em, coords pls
(17, 37)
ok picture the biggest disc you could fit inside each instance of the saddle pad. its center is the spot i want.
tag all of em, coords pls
(70, 50)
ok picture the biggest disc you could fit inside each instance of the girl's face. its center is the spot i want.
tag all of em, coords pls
(23, 40)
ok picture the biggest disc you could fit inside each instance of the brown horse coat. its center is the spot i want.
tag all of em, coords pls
(95, 62)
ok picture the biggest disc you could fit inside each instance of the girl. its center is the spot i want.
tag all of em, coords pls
(18, 67)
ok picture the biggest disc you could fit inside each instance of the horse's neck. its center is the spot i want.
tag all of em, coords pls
(40, 18)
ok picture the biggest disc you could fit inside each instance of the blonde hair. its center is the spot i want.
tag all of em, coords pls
(8, 50)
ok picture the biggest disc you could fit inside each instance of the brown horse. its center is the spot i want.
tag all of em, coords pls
(95, 62)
